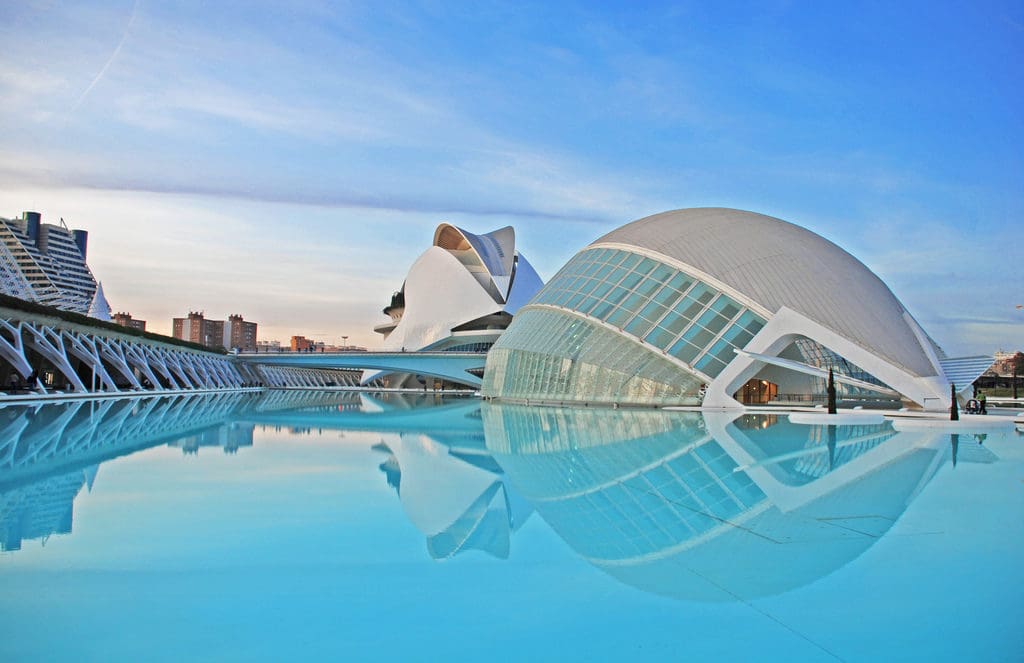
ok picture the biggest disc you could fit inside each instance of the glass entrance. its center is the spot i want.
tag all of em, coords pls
(756, 392)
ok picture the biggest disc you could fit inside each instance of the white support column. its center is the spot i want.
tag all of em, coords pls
(188, 367)
(174, 362)
(236, 373)
(115, 355)
(14, 350)
(84, 347)
(157, 357)
(220, 370)
(210, 377)
(203, 368)
(230, 372)
(213, 371)
(49, 343)
(134, 354)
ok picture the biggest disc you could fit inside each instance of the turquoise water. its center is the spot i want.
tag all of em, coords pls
(306, 525)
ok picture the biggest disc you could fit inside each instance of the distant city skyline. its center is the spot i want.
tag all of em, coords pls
(291, 162)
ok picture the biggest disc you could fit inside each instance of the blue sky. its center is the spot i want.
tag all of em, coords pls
(289, 161)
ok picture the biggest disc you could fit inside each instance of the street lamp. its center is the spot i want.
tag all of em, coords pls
(344, 342)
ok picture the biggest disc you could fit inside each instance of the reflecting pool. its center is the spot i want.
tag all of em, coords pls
(326, 525)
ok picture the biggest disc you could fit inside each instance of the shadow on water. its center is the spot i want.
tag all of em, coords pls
(710, 507)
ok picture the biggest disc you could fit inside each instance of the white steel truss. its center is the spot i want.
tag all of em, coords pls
(84, 362)
(109, 364)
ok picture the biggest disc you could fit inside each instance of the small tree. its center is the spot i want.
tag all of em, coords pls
(831, 392)
(1018, 369)
(954, 410)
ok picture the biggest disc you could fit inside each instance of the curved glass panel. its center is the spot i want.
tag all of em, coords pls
(662, 310)
(560, 357)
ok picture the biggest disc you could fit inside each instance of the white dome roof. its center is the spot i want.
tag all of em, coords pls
(776, 264)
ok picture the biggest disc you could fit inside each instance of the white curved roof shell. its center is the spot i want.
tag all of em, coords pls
(777, 264)
(492, 254)
(460, 278)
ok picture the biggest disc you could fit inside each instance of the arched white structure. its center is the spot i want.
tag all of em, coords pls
(685, 307)
(460, 293)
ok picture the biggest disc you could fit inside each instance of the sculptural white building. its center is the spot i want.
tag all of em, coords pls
(460, 294)
(716, 306)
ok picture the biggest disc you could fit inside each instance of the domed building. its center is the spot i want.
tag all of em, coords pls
(718, 307)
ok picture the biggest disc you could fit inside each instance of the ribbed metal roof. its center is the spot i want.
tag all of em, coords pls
(778, 264)
(963, 371)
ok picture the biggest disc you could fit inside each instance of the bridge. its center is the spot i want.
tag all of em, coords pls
(45, 351)
(463, 367)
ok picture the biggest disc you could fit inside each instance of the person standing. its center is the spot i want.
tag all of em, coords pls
(981, 402)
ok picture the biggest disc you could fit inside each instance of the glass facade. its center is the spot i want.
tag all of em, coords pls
(555, 356)
(661, 311)
(816, 354)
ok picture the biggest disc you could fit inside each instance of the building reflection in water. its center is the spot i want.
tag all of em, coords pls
(456, 496)
(709, 507)
(716, 506)
(435, 458)
(40, 509)
(49, 452)
(230, 437)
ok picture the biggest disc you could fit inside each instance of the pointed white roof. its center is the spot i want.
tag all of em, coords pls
(99, 308)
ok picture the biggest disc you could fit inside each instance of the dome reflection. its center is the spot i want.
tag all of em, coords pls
(710, 507)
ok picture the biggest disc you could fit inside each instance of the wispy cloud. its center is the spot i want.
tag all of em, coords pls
(390, 201)
(162, 89)
(110, 60)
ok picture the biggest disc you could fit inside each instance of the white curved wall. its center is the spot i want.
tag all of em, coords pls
(439, 294)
